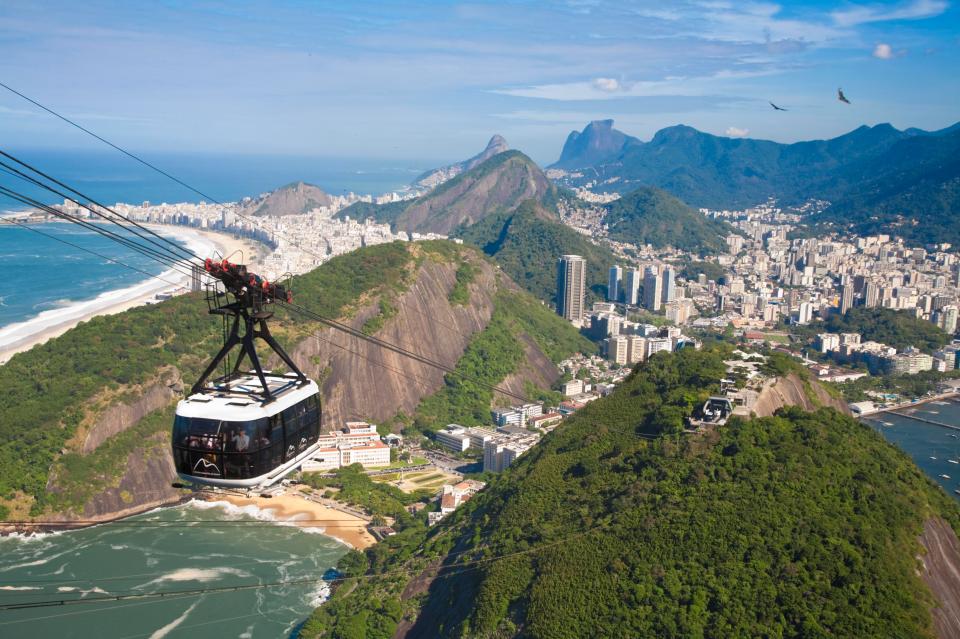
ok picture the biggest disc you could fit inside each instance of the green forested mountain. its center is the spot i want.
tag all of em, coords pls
(54, 392)
(912, 191)
(527, 243)
(712, 171)
(653, 216)
(500, 183)
(798, 525)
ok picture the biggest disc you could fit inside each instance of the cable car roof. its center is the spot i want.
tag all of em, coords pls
(231, 401)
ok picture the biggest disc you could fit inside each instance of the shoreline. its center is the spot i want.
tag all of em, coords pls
(917, 402)
(22, 336)
(295, 508)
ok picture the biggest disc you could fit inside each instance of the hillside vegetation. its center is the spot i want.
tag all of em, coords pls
(527, 243)
(899, 329)
(797, 525)
(653, 216)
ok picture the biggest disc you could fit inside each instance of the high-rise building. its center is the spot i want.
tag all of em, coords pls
(652, 292)
(615, 284)
(679, 311)
(617, 349)
(946, 318)
(571, 275)
(196, 275)
(805, 314)
(846, 298)
(871, 294)
(631, 287)
(669, 285)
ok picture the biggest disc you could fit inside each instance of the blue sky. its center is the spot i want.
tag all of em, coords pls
(435, 80)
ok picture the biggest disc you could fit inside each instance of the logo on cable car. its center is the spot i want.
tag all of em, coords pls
(208, 467)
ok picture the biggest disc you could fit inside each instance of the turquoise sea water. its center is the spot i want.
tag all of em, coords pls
(187, 547)
(41, 274)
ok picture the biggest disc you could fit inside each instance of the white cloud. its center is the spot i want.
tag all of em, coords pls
(734, 132)
(883, 51)
(609, 85)
(915, 10)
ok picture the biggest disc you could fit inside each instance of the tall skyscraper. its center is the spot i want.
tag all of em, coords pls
(669, 285)
(871, 293)
(615, 284)
(631, 287)
(652, 285)
(846, 298)
(571, 274)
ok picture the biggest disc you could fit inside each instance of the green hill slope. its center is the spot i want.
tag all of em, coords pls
(652, 216)
(798, 525)
(527, 243)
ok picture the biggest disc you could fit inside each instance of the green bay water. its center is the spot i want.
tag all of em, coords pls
(188, 547)
(931, 447)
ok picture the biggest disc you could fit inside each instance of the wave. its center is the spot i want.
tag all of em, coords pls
(262, 514)
(200, 575)
(159, 633)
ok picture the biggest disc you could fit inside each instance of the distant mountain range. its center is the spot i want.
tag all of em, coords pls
(706, 170)
(436, 177)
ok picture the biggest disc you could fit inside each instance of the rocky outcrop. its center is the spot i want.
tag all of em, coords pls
(436, 177)
(119, 417)
(146, 483)
(363, 381)
(292, 199)
(941, 572)
(793, 391)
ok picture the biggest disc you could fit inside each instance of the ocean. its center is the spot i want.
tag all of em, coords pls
(931, 447)
(110, 177)
(206, 546)
(41, 274)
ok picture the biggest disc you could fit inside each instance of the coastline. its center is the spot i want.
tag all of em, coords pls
(294, 508)
(22, 336)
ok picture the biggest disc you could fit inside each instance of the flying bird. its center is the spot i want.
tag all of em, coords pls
(842, 97)
(776, 107)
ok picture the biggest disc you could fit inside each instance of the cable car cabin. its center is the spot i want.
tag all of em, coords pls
(224, 436)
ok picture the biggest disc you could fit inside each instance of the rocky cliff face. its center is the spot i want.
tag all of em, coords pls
(792, 391)
(363, 381)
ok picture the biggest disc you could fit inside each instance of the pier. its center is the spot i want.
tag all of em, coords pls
(922, 419)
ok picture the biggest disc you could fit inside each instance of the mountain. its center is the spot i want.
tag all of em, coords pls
(527, 242)
(598, 143)
(500, 183)
(435, 177)
(912, 190)
(711, 171)
(296, 198)
(85, 418)
(653, 216)
(801, 524)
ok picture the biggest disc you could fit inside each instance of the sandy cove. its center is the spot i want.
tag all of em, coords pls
(146, 291)
(295, 508)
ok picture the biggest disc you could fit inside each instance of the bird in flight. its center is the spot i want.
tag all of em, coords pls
(842, 97)
(776, 107)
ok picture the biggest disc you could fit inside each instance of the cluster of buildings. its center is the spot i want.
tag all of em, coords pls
(626, 342)
(500, 447)
(881, 358)
(452, 496)
(356, 443)
(298, 243)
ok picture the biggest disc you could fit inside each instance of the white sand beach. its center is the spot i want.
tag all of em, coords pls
(22, 336)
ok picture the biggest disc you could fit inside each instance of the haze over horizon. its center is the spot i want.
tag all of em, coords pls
(310, 80)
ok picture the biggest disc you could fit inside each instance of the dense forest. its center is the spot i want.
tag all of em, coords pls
(797, 525)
